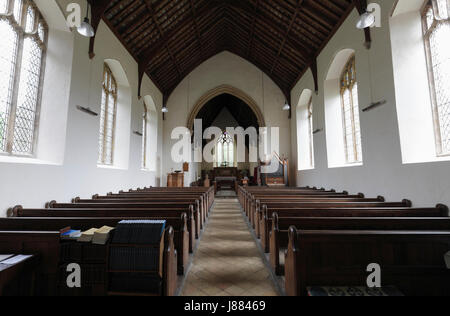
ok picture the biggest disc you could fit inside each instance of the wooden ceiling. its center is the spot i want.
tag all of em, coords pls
(170, 38)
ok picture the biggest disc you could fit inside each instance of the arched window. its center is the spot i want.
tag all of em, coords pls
(305, 141)
(23, 34)
(350, 113)
(107, 117)
(436, 28)
(225, 151)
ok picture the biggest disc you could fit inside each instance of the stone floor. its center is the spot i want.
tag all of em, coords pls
(227, 262)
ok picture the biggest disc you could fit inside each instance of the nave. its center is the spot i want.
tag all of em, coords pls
(227, 261)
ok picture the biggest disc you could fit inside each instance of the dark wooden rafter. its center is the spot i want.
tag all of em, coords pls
(252, 31)
(319, 50)
(170, 38)
(161, 34)
(294, 17)
(197, 32)
(315, 75)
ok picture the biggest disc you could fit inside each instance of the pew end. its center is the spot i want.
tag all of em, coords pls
(170, 263)
(76, 200)
(14, 211)
(444, 210)
(407, 203)
(50, 204)
(274, 245)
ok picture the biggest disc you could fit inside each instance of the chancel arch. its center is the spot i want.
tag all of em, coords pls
(226, 89)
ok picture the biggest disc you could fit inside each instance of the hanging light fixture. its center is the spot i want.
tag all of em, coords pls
(85, 27)
(365, 20)
(286, 107)
(165, 109)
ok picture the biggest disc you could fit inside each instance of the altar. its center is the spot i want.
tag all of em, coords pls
(226, 178)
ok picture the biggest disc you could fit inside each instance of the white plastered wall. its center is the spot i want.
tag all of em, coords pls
(383, 172)
(69, 168)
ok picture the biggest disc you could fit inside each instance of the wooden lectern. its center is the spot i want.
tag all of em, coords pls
(175, 180)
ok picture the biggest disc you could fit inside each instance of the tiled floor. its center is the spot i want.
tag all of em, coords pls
(227, 262)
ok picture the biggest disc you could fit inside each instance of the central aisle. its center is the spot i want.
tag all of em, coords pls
(227, 262)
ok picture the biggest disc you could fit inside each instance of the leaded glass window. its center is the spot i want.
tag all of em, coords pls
(225, 151)
(107, 118)
(23, 31)
(436, 26)
(350, 113)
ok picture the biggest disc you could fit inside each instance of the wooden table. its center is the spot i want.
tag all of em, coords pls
(12, 272)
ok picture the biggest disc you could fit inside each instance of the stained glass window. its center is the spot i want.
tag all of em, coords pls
(436, 26)
(350, 113)
(225, 151)
(22, 51)
(107, 118)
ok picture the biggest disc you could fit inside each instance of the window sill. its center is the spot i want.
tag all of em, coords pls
(429, 160)
(27, 161)
(110, 167)
(349, 165)
(148, 170)
(306, 169)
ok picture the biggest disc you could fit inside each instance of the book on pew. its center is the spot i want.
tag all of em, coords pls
(71, 235)
(4, 257)
(135, 257)
(101, 236)
(87, 236)
(139, 232)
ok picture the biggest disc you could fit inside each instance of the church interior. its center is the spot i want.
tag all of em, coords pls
(227, 148)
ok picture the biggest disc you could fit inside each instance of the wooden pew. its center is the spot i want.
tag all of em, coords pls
(209, 192)
(45, 245)
(181, 206)
(319, 205)
(438, 211)
(19, 211)
(280, 227)
(412, 261)
(160, 198)
(179, 224)
(284, 200)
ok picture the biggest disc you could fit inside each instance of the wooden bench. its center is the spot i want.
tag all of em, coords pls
(209, 192)
(45, 244)
(438, 211)
(319, 205)
(206, 199)
(174, 201)
(280, 227)
(337, 200)
(180, 206)
(19, 211)
(179, 224)
(413, 261)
